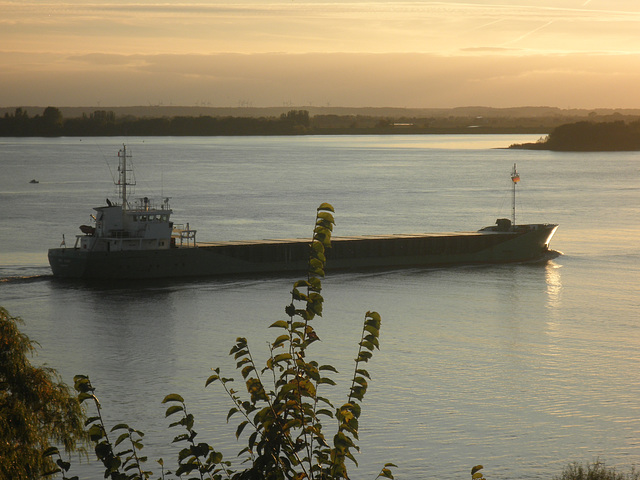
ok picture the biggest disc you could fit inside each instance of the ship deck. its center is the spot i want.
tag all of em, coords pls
(342, 239)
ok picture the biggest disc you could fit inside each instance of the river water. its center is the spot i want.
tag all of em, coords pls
(522, 368)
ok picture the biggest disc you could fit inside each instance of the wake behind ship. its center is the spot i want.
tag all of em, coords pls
(138, 240)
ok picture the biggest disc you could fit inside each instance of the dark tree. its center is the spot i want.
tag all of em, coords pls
(37, 411)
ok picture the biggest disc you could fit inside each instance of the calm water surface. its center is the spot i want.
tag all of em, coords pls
(523, 368)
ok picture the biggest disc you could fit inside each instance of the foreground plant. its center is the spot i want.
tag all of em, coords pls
(595, 471)
(124, 464)
(476, 474)
(286, 415)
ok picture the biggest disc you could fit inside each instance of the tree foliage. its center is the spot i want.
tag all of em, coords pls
(587, 136)
(105, 123)
(37, 411)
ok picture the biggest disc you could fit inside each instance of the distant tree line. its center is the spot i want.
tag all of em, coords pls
(295, 122)
(105, 123)
(590, 137)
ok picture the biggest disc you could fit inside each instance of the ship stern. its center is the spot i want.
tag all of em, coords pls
(67, 262)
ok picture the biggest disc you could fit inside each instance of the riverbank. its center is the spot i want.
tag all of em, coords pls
(196, 121)
(618, 136)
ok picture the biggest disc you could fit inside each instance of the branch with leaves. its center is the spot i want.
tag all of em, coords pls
(125, 464)
(288, 439)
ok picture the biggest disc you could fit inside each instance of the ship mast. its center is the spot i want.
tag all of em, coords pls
(122, 177)
(515, 178)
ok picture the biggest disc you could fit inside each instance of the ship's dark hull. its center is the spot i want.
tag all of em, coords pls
(527, 243)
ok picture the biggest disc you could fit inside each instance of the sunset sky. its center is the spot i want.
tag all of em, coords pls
(562, 53)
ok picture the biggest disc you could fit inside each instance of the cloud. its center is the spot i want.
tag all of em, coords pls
(373, 53)
(491, 50)
(308, 26)
(341, 79)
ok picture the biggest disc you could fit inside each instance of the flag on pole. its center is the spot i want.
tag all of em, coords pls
(515, 176)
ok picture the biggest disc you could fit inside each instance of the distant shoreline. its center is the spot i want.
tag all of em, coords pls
(477, 112)
(557, 132)
(617, 136)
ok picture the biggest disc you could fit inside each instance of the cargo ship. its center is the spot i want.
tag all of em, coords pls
(138, 240)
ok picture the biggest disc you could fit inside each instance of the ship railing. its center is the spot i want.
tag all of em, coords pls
(145, 204)
(183, 236)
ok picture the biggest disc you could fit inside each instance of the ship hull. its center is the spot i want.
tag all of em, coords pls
(525, 243)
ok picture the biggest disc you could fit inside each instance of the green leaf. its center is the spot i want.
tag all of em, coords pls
(241, 428)
(293, 423)
(315, 284)
(358, 392)
(373, 340)
(351, 457)
(85, 396)
(241, 362)
(95, 432)
(342, 442)
(173, 409)
(476, 468)
(367, 345)
(282, 356)
(173, 397)
(372, 329)
(360, 380)
(180, 438)
(121, 438)
(281, 340)
(326, 381)
(90, 420)
(241, 353)
(50, 451)
(211, 379)
(81, 382)
(280, 324)
(247, 370)
(317, 271)
(330, 368)
(324, 411)
(201, 449)
(215, 458)
(321, 232)
(120, 426)
(373, 316)
(232, 412)
(386, 473)
(326, 206)
(102, 450)
(364, 356)
(326, 216)
(317, 247)
(315, 263)
(298, 295)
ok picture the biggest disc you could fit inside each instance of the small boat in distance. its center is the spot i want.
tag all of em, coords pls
(34, 181)
(138, 240)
